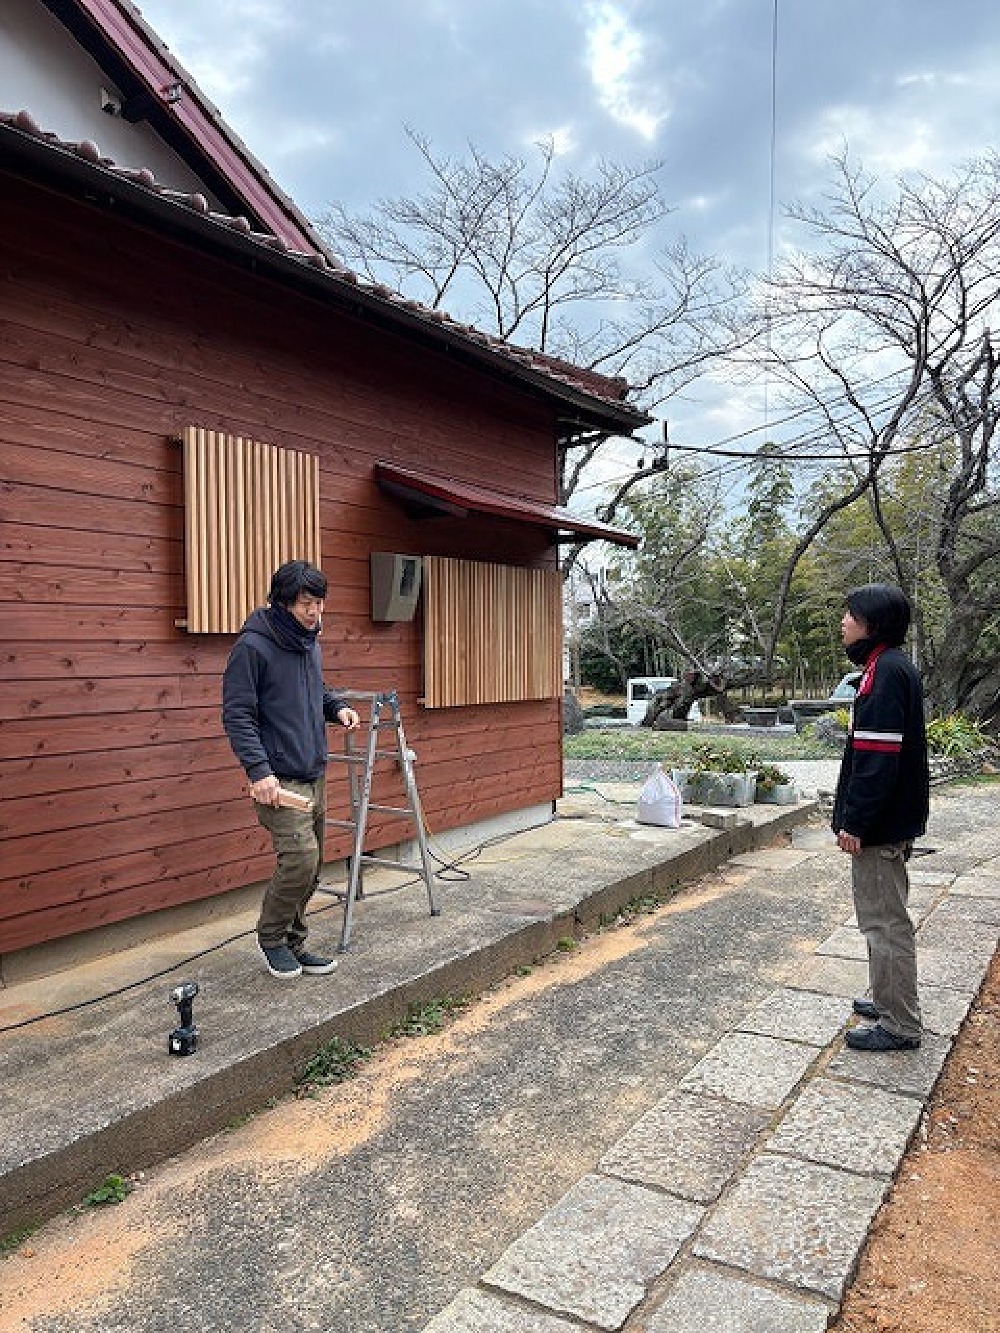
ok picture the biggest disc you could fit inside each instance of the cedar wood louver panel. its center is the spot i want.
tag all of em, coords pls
(248, 507)
(492, 633)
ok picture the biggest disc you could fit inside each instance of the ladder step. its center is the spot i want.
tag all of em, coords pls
(391, 865)
(382, 809)
(361, 758)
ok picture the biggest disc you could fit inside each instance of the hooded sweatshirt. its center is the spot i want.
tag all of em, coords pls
(274, 704)
(883, 789)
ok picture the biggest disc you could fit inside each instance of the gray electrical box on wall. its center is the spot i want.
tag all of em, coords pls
(395, 585)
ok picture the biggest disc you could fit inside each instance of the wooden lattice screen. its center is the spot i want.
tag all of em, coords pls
(248, 507)
(492, 633)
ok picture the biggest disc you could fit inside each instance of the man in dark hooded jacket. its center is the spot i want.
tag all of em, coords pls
(881, 805)
(275, 708)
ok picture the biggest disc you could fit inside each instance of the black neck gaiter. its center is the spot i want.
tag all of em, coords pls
(287, 629)
(860, 650)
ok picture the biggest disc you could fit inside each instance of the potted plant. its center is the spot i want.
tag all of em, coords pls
(774, 786)
(718, 774)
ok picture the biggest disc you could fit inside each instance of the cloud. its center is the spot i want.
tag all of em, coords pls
(226, 45)
(297, 137)
(320, 92)
(564, 138)
(615, 57)
(885, 142)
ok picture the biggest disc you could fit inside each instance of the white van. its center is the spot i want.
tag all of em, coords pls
(639, 691)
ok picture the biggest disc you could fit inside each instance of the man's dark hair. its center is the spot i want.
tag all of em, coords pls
(294, 577)
(885, 610)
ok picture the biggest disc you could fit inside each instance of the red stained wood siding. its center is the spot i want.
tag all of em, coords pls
(118, 792)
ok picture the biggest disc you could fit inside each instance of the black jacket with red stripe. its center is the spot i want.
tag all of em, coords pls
(884, 785)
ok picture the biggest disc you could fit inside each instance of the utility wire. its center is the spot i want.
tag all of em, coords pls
(819, 432)
(772, 156)
(788, 456)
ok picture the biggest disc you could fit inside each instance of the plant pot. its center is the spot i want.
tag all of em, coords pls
(784, 794)
(726, 789)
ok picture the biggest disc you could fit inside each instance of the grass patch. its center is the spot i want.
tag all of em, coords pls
(423, 1020)
(115, 1189)
(339, 1060)
(333, 1063)
(974, 779)
(12, 1243)
(644, 904)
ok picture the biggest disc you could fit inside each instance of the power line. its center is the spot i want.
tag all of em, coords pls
(817, 433)
(788, 456)
(772, 156)
(709, 451)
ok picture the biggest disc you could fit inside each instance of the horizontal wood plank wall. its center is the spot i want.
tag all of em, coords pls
(119, 794)
(492, 633)
(248, 508)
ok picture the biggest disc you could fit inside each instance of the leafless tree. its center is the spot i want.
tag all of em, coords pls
(878, 336)
(882, 328)
(557, 262)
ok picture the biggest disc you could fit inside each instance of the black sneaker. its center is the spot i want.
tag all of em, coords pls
(313, 965)
(866, 1009)
(280, 960)
(878, 1038)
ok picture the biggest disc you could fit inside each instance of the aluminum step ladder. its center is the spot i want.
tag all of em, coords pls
(385, 714)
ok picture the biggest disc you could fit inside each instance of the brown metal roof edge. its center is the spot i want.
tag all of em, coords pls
(429, 493)
(118, 29)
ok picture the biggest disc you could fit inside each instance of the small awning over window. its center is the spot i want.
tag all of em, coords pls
(426, 495)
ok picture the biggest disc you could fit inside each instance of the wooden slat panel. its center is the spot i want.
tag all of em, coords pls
(248, 508)
(492, 633)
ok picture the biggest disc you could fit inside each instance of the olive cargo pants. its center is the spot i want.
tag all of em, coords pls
(297, 838)
(881, 891)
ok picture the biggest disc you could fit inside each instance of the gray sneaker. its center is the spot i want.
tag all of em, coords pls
(313, 964)
(280, 960)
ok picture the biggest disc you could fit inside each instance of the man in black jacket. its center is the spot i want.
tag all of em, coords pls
(275, 708)
(881, 805)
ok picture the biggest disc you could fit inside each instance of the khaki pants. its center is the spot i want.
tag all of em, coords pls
(881, 890)
(298, 846)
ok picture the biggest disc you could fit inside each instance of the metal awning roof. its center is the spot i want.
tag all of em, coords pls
(427, 495)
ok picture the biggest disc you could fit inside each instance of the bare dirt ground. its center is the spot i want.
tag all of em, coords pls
(932, 1261)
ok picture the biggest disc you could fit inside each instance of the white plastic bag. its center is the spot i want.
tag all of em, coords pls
(660, 800)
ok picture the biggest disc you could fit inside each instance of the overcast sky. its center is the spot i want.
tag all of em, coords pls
(320, 90)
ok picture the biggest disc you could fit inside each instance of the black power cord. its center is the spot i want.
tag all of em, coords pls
(447, 867)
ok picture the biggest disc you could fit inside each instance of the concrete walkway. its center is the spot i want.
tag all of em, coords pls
(736, 1196)
(91, 1089)
(741, 1201)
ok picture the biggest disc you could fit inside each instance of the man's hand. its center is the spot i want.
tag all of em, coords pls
(348, 718)
(849, 842)
(265, 790)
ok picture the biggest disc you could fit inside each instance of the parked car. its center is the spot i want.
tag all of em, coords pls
(842, 696)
